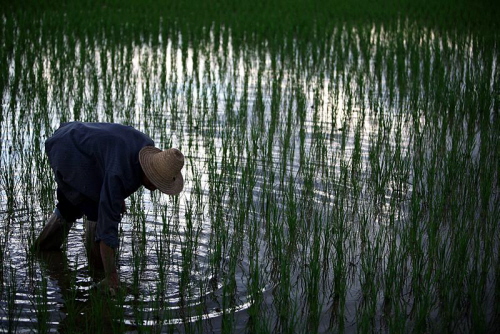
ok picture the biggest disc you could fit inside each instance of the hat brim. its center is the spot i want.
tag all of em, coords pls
(168, 187)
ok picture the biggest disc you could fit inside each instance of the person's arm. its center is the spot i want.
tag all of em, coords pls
(110, 210)
(108, 259)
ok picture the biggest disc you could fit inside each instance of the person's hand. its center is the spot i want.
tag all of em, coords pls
(111, 281)
(109, 285)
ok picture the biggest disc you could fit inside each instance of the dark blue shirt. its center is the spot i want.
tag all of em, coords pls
(98, 162)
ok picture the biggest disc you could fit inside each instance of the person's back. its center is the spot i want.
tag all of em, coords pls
(83, 155)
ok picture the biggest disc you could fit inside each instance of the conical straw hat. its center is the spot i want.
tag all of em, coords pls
(163, 168)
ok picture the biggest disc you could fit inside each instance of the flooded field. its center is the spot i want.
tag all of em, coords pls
(344, 183)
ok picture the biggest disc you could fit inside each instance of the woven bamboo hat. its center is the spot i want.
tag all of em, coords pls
(163, 168)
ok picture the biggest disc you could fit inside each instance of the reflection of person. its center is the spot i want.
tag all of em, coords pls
(97, 166)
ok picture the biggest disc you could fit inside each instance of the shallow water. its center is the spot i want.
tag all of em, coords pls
(303, 175)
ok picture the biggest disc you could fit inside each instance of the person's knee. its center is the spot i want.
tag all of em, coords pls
(69, 214)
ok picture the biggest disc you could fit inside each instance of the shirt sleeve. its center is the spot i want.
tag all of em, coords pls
(110, 207)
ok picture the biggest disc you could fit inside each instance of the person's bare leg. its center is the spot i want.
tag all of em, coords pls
(54, 233)
(108, 260)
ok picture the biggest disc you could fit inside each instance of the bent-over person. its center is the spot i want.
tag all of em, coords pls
(96, 167)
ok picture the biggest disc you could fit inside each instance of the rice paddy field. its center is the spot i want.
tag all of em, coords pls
(342, 164)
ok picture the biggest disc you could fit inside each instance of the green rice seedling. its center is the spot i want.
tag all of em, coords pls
(369, 283)
(229, 294)
(97, 314)
(188, 251)
(2, 270)
(162, 249)
(12, 312)
(313, 278)
(340, 233)
(73, 308)
(139, 260)
(393, 285)
(41, 306)
(117, 313)
(258, 319)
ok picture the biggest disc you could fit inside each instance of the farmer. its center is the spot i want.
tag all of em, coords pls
(97, 166)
